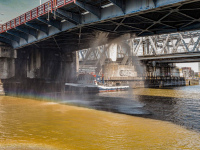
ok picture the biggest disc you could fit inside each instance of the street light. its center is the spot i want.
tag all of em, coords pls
(1, 20)
(40, 2)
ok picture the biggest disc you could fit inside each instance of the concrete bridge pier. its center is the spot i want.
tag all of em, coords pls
(37, 71)
(7, 63)
(162, 75)
(156, 69)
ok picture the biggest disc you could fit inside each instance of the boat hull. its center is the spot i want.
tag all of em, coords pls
(77, 88)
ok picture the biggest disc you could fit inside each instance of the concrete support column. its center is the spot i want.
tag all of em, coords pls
(7, 61)
(163, 71)
(154, 68)
(74, 69)
(147, 47)
(143, 46)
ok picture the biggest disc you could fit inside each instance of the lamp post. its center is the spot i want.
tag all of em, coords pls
(40, 2)
(1, 20)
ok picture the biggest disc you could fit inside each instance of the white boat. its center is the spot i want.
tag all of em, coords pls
(87, 83)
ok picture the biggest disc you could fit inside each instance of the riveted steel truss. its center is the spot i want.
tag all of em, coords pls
(152, 46)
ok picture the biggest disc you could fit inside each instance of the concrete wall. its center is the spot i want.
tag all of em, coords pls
(38, 71)
(7, 61)
(7, 69)
(114, 71)
(192, 82)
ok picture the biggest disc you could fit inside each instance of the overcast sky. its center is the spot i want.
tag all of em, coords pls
(14, 8)
(194, 66)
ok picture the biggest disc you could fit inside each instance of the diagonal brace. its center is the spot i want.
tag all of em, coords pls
(195, 46)
(153, 45)
(184, 42)
(155, 2)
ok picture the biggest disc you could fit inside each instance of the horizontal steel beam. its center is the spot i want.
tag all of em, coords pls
(5, 41)
(69, 16)
(54, 23)
(170, 56)
(40, 27)
(10, 37)
(119, 3)
(27, 30)
(183, 60)
(19, 34)
(90, 8)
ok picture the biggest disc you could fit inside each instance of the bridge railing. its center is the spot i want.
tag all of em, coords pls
(49, 6)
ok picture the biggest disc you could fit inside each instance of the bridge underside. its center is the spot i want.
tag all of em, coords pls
(76, 23)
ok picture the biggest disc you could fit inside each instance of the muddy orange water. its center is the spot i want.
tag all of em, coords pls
(39, 125)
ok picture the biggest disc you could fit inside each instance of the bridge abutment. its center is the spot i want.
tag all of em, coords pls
(38, 71)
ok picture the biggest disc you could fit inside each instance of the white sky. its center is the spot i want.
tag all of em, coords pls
(194, 66)
(14, 8)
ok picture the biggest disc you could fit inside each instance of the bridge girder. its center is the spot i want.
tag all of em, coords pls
(41, 27)
(9, 37)
(28, 31)
(90, 8)
(69, 16)
(119, 3)
(19, 34)
(54, 23)
(5, 41)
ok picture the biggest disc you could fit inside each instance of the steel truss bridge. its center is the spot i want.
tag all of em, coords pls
(71, 25)
(166, 48)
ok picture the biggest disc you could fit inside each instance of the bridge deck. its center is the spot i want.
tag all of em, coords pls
(70, 25)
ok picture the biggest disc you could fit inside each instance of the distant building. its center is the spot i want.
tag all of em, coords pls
(199, 66)
(196, 74)
(187, 72)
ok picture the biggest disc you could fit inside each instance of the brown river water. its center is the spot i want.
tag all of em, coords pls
(165, 119)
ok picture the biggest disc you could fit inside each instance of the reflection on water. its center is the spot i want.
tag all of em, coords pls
(32, 124)
(180, 105)
(105, 103)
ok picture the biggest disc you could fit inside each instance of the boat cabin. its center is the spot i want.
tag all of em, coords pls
(87, 79)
